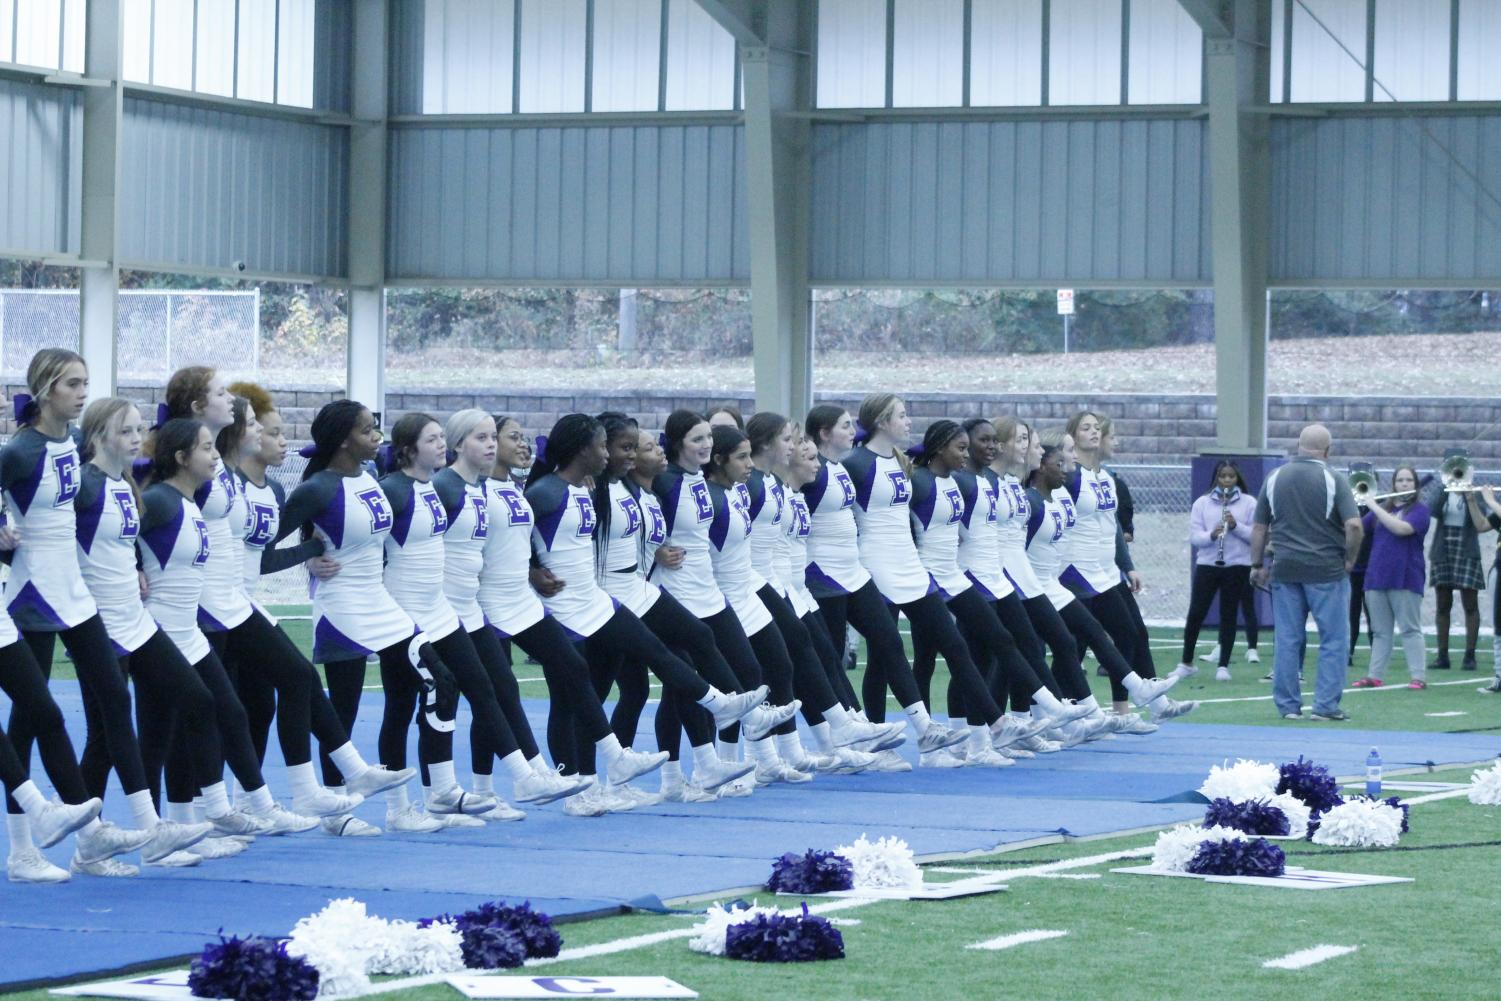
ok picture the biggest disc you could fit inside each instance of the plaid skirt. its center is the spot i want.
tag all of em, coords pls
(1451, 567)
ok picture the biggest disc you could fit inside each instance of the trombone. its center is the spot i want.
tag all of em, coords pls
(1458, 474)
(1363, 484)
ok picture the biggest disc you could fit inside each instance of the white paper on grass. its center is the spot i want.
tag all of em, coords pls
(552, 987)
(1294, 878)
(169, 986)
(927, 891)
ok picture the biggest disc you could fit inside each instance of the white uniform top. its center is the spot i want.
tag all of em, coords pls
(262, 518)
(464, 545)
(1091, 545)
(730, 555)
(653, 529)
(833, 566)
(766, 500)
(624, 579)
(883, 493)
(108, 524)
(224, 604)
(414, 554)
(353, 613)
(40, 477)
(1013, 510)
(506, 596)
(792, 555)
(979, 543)
(688, 511)
(1048, 525)
(175, 544)
(937, 510)
(563, 538)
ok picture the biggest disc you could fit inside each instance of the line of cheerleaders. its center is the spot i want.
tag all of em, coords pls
(727, 562)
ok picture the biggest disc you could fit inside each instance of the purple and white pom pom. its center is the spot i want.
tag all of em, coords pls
(1246, 779)
(885, 862)
(708, 938)
(1176, 848)
(1485, 786)
(1360, 823)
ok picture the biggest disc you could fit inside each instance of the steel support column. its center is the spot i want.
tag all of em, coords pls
(366, 361)
(103, 112)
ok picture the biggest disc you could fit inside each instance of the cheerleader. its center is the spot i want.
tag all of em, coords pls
(1050, 518)
(46, 598)
(244, 637)
(769, 622)
(847, 594)
(672, 623)
(1220, 533)
(937, 509)
(562, 537)
(340, 503)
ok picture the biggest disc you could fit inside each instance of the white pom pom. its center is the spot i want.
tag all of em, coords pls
(881, 863)
(407, 950)
(1241, 781)
(1485, 786)
(709, 937)
(1175, 848)
(1360, 823)
(1295, 810)
(338, 941)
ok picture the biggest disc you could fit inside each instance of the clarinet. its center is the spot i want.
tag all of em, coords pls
(1219, 559)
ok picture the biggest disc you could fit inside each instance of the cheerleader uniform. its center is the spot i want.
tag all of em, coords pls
(883, 495)
(620, 530)
(46, 597)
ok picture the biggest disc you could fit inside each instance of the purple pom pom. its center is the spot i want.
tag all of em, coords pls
(1255, 816)
(1311, 783)
(812, 872)
(532, 928)
(782, 938)
(252, 969)
(1256, 857)
(487, 947)
(1394, 801)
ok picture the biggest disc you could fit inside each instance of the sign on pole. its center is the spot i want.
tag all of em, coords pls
(1065, 302)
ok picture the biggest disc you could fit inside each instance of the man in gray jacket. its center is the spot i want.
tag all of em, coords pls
(1310, 515)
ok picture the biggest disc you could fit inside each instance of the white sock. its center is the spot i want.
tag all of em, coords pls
(703, 757)
(347, 759)
(729, 750)
(180, 813)
(539, 763)
(1089, 700)
(30, 797)
(979, 737)
(607, 750)
(236, 791)
(19, 829)
(1132, 683)
(823, 736)
(713, 700)
(303, 780)
(199, 808)
(918, 714)
(672, 771)
(215, 800)
(259, 800)
(761, 751)
(516, 766)
(486, 783)
(397, 799)
(1049, 702)
(790, 747)
(144, 812)
(837, 714)
(441, 773)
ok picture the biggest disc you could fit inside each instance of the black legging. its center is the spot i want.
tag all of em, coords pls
(403, 690)
(99, 678)
(978, 628)
(1050, 627)
(490, 732)
(1114, 610)
(1357, 608)
(1007, 651)
(191, 765)
(866, 610)
(495, 653)
(832, 659)
(1230, 584)
(258, 696)
(1249, 617)
(688, 636)
(810, 680)
(1089, 633)
(23, 681)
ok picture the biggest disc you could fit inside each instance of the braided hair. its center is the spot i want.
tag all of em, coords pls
(569, 436)
(937, 438)
(615, 424)
(331, 428)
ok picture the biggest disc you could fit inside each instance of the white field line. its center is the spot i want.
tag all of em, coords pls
(1347, 691)
(1069, 875)
(1434, 797)
(1308, 957)
(1444, 715)
(1019, 938)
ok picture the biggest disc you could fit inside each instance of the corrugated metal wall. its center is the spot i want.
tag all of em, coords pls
(1377, 200)
(39, 161)
(1011, 202)
(202, 188)
(659, 204)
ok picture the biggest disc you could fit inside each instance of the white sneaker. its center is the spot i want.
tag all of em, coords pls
(1068, 712)
(456, 800)
(108, 868)
(277, 821)
(56, 821)
(214, 848)
(107, 840)
(687, 792)
(633, 764)
(1130, 723)
(869, 736)
(31, 866)
(942, 758)
(1008, 730)
(545, 787)
(411, 820)
(1038, 744)
(1252, 657)
(1015, 752)
(985, 757)
(177, 860)
(743, 786)
(588, 803)
(458, 820)
(935, 738)
(820, 762)
(377, 778)
(235, 824)
(1166, 709)
(711, 777)
(1214, 655)
(853, 762)
(614, 800)
(1222, 674)
(1184, 671)
(1150, 689)
(737, 707)
(776, 770)
(890, 761)
(638, 796)
(502, 813)
(766, 718)
(322, 802)
(348, 826)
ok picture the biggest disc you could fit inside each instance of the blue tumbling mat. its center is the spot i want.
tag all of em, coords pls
(576, 866)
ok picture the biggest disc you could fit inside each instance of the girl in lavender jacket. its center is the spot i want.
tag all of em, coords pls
(1220, 532)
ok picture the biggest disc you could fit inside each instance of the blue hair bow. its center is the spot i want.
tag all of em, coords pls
(539, 448)
(24, 406)
(862, 435)
(308, 451)
(163, 415)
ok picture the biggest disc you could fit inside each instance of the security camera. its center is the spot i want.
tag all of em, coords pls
(239, 265)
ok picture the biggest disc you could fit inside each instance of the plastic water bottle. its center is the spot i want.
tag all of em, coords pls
(1373, 774)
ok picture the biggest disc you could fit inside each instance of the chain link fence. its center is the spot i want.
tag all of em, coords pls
(158, 331)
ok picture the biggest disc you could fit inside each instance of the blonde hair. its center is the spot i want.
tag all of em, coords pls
(461, 424)
(875, 410)
(47, 366)
(96, 421)
(1053, 437)
(1006, 427)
